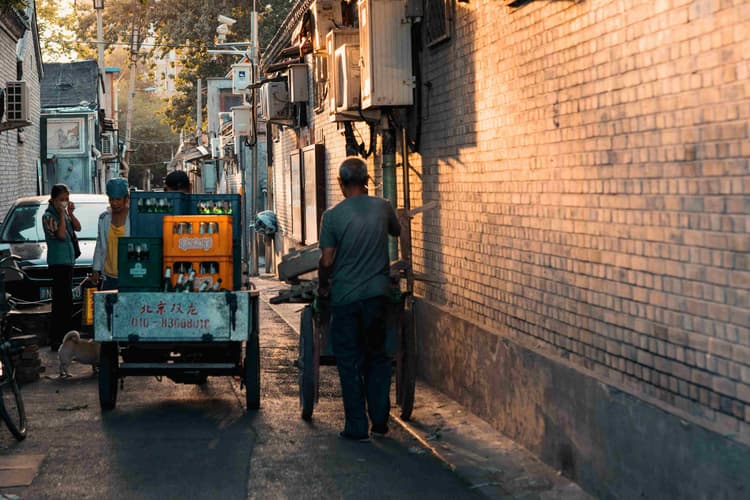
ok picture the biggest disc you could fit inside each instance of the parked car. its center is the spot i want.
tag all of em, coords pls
(21, 232)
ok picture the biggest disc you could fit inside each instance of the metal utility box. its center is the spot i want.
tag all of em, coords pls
(298, 83)
(139, 265)
(242, 77)
(242, 121)
(385, 53)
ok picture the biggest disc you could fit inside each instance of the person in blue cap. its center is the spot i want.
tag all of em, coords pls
(113, 223)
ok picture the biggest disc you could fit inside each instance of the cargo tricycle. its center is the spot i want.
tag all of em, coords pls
(178, 311)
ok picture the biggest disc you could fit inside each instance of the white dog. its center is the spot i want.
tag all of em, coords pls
(73, 348)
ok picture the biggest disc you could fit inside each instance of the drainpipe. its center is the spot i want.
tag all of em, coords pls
(389, 181)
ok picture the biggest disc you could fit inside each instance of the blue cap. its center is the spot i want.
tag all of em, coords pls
(117, 188)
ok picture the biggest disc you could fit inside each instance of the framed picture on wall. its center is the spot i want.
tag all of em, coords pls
(66, 136)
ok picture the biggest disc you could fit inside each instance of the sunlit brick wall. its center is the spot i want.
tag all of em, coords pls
(590, 165)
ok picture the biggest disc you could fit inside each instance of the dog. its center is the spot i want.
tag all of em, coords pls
(83, 351)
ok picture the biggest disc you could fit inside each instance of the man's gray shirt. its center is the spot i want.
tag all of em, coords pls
(358, 229)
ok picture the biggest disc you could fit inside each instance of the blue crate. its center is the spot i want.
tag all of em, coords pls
(147, 211)
(218, 204)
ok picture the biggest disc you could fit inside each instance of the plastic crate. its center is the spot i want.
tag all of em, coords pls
(139, 264)
(147, 210)
(217, 204)
(207, 270)
(197, 236)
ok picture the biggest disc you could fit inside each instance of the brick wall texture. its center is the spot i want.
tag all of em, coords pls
(589, 161)
(18, 160)
(590, 164)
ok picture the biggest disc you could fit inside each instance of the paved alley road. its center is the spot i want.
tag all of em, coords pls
(166, 440)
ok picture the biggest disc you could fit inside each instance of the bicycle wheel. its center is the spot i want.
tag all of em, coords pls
(12, 409)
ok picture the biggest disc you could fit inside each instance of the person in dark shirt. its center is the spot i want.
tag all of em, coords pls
(177, 181)
(353, 276)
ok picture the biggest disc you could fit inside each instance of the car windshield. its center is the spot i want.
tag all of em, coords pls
(24, 222)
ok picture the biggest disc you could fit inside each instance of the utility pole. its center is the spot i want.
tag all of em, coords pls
(199, 111)
(99, 7)
(132, 67)
(253, 271)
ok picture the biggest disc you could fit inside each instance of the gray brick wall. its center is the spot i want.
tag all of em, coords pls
(590, 164)
(18, 160)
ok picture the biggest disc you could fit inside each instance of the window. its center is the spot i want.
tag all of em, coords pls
(437, 20)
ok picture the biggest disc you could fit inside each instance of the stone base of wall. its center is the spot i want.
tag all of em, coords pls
(614, 444)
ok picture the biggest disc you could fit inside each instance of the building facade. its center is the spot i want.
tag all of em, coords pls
(20, 61)
(586, 264)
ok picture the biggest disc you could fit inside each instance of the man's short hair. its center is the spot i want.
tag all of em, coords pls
(177, 181)
(353, 172)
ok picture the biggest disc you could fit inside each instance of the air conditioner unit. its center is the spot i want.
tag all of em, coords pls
(242, 121)
(346, 79)
(215, 147)
(108, 145)
(274, 103)
(242, 77)
(335, 39)
(297, 78)
(385, 51)
(327, 15)
(16, 101)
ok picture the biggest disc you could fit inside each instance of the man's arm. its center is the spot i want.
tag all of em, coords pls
(394, 228)
(325, 265)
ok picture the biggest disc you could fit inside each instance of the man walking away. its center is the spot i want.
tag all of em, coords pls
(353, 274)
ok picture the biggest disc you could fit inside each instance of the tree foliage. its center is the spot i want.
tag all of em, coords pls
(185, 25)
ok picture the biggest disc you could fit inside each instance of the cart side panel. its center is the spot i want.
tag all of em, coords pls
(174, 316)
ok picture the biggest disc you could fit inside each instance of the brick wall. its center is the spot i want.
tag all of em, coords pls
(590, 164)
(18, 159)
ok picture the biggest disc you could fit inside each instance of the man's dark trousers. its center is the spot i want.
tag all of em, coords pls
(358, 336)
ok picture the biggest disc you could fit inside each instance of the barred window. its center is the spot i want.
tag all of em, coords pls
(437, 16)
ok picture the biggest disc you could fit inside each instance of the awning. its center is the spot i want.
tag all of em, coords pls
(192, 154)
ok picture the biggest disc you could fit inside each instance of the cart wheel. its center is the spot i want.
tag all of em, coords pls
(406, 363)
(252, 372)
(108, 376)
(307, 360)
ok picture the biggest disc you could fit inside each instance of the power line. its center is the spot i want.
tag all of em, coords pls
(124, 44)
(139, 141)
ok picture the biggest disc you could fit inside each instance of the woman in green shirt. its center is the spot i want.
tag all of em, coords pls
(59, 224)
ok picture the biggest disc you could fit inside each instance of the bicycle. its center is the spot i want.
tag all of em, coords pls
(12, 409)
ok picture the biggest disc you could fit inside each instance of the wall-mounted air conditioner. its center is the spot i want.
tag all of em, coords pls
(385, 51)
(274, 103)
(335, 39)
(298, 83)
(16, 107)
(242, 121)
(242, 77)
(108, 145)
(346, 79)
(215, 147)
(327, 15)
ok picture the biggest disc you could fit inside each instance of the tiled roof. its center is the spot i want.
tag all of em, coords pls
(71, 84)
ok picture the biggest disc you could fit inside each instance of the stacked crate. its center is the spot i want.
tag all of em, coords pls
(203, 245)
(147, 211)
(139, 264)
(222, 205)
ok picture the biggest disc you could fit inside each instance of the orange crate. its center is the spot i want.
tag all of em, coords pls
(197, 236)
(207, 270)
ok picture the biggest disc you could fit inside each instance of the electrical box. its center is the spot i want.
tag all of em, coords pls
(346, 79)
(385, 52)
(242, 77)
(298, 83)
(242, 121)
(274, 103)
(327, 15)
